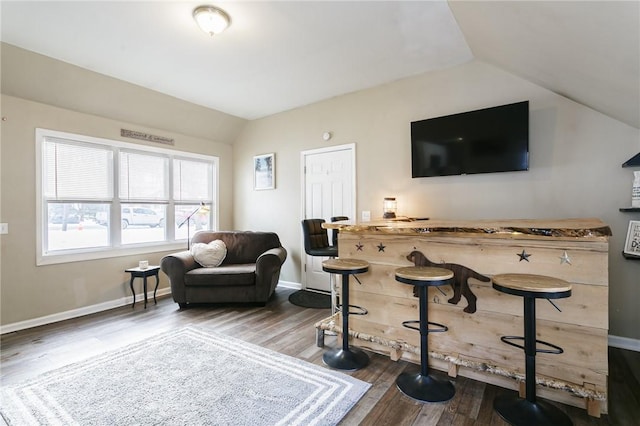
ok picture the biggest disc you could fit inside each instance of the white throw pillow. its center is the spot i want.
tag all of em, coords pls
(209, 255)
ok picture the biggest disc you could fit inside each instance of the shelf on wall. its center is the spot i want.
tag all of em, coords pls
(630, 209)
(633, 161)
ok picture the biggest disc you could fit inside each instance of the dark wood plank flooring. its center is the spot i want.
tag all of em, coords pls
(288, 329)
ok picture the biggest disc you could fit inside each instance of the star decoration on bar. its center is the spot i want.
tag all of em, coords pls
(381, 248)
(565, 258)
(359, 246)
(523, 256)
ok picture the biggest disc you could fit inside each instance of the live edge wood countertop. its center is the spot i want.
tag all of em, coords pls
(574, 250)
(503, 228)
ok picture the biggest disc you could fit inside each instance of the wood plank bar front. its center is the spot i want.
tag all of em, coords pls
(575, 250)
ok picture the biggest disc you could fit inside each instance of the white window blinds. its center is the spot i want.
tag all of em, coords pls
(192, 180)
(143, 176)
(74, 171)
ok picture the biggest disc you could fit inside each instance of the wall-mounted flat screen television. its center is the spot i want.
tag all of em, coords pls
(483, 141)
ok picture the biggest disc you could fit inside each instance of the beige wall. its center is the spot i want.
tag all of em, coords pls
(41, 92)
(29, 291)
(575, 167)
(576, 154)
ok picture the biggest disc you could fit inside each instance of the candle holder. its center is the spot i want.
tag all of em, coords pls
(389, 208)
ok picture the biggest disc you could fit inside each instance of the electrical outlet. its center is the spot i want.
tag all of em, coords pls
(366, 215)
(4, 228)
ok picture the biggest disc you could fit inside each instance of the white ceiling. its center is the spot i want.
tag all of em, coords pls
(588, 51)
(279, 55)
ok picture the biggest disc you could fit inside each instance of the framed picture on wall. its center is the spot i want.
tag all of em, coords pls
(632, 244)
(264, 171)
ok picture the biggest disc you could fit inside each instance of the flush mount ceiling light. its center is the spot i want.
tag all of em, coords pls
(211, 19)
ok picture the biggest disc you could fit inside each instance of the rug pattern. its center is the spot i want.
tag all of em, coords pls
(187, 376)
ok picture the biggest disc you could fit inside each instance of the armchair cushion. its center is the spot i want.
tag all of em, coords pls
(209, 255)
(231, 275)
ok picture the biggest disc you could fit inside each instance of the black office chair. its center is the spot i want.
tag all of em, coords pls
(334, 234)
(316, 239)
(316, 243)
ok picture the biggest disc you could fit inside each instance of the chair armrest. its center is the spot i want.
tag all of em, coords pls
(176, 265)
(271, 258)
(268, 267)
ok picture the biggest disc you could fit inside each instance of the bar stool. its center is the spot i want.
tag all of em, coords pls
(346, 358)
(316, 243)
(529, 411)
(422, 386)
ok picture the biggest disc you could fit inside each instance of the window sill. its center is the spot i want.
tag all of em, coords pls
(106, 253)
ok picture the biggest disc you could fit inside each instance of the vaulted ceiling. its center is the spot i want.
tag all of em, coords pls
(279, 55)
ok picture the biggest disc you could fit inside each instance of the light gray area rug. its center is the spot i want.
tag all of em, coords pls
(185, 377)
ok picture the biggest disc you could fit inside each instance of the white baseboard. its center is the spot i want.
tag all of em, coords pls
(75, 313)
(624, 343)
(290, 284)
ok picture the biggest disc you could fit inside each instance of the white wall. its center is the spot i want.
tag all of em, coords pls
(42, 79)
(575, 165)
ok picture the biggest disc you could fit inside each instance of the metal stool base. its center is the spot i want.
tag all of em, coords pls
(425, 388)
(346, 359)
(521, 412)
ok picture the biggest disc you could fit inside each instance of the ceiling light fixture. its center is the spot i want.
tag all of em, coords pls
(211, 19)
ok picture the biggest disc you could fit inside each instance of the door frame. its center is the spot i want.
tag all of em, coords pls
(303, 154)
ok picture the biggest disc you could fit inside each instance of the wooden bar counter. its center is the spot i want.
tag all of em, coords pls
(575, 250)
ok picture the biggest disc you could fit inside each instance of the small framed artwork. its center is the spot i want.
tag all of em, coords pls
(632, 244)
(264, 171)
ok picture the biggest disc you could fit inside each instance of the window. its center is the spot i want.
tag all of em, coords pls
(143, 178)
(187, 194)
(102, 198)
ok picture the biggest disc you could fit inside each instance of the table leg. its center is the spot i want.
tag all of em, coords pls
(132, 292)
(144, 279)
(156, 289)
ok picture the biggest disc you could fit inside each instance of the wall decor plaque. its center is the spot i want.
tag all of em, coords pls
(632, 243)
(146, 137)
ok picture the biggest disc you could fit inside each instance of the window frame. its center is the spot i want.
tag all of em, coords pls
(116, 248)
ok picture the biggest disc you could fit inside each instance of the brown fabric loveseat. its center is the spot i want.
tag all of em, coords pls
(249, 273)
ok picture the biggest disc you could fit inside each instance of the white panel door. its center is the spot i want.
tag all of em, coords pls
(329, 190)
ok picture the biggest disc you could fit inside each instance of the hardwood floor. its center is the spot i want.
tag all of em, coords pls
(288, 329)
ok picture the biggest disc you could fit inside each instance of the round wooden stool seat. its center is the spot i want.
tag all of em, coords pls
(423, 275)
(346, 358)
(530, 285)
(421, 385)
(530, 411)
(345, 266)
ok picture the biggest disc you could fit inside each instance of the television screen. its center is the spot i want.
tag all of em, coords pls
(483, 141)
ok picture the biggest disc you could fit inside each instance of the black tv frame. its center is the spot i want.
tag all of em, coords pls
(487, 140)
